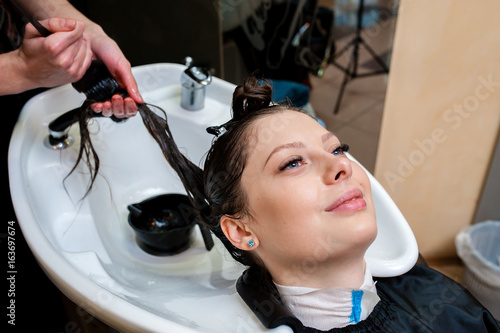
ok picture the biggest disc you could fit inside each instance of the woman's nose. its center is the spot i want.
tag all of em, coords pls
(337, 169)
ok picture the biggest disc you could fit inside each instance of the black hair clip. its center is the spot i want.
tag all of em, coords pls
(217, 130)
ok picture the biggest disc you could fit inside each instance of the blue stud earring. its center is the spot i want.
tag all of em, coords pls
(251, 243)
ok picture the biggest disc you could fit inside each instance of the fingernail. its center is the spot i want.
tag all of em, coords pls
(68, 23)
(141, 100)
(96, 107)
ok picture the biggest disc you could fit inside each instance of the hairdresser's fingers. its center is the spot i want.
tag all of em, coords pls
(60, 41)
(85, 64)
(79, 59)
(121, 70)
(96, 107)
(125, 78)
(106, 109)
(107, 50)
(130, 107)
(53, 25)
(56, 24)
(117, 105)
(49, 62)
(30, 32)
(67, 51)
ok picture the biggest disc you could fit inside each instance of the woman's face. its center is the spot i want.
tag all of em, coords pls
(307, 200)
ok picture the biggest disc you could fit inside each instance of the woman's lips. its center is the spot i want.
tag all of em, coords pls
(348, 201)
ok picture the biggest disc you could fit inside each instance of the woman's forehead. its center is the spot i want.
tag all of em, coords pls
(283, 128)
(288, 124)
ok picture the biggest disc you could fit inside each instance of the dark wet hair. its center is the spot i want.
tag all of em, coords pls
(227, 158)
(216, 189)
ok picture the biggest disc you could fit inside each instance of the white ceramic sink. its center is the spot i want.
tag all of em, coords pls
(87, 247)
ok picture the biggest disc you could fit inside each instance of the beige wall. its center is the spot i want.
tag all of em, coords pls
(442, 115)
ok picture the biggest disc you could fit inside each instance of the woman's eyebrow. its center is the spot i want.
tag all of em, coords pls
(327, 136)
(285, 146)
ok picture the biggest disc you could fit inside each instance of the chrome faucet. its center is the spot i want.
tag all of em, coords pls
(194, 80)
(59, 137)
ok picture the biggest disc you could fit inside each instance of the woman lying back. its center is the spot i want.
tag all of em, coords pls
(279, 192)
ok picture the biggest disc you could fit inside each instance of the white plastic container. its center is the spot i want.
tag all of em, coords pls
(479, 248)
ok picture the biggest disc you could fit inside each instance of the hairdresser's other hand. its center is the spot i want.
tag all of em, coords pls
(118, 106)
(60, 58)
(106, 49)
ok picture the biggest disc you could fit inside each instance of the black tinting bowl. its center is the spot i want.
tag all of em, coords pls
(162, 224)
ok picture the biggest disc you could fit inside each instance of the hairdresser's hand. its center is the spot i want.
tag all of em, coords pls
(106, 49)
(102, 47)
(118, 106)
(60, 58)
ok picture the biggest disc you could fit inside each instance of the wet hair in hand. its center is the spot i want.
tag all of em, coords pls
(215, 190)
(98, 86)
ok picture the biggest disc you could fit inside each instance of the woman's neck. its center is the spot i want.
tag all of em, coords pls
(347, 273)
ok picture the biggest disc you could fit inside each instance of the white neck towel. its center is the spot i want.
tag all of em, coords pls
(327, 308)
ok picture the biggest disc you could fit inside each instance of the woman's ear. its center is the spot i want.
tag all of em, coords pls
(238, 233)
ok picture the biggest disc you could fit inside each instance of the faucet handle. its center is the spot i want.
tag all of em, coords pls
(188, 61)
(194, 79)
(201, 76)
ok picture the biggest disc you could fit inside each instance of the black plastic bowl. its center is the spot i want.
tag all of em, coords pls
(161, 224)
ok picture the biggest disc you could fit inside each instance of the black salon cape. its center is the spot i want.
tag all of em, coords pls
(422, 300)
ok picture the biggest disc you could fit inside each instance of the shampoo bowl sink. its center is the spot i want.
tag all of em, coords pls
(88, 249)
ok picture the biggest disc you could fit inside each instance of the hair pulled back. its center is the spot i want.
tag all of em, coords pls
(227, 158)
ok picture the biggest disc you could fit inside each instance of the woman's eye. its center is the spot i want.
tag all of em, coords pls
(343, 148)
(291, 164)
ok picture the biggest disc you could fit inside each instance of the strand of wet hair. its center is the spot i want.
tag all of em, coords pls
(86, 152)
(190, 174)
